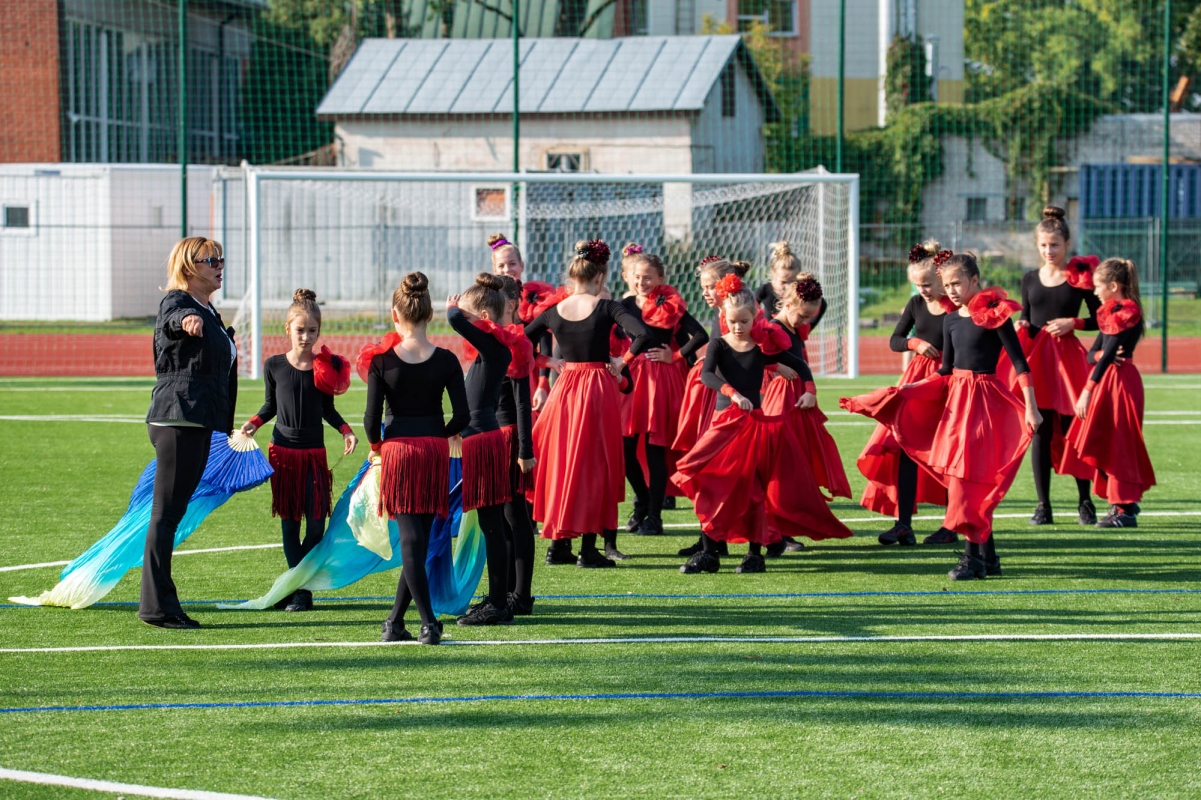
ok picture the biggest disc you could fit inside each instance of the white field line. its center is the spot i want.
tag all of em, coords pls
(48, 779)
(981, 637)
(177, 552)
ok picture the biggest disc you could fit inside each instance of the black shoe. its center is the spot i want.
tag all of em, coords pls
(793, 545)
(521, 606)
(775, 549)
(701, 562)
(1135, 509)
(430, 634)
(752, 563)
(942, 536)
(893, 535)
(992, 561)
(395, 632)
(173, 621)
(1088, 513)
(637, 518)
(1118, 519)
(611, 550)
(1042, 515)
(970, 566)
(282, 604)
(691, 549)
(669, 503)
(651, 526)
(559, 555)
(592, 559)
(486, 613)
(302, 600)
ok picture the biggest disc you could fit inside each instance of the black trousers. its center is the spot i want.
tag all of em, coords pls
(180, 456)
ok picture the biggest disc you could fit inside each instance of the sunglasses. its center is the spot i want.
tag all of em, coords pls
(219, 261)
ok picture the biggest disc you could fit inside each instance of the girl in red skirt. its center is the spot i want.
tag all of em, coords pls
(406, 377)
(1105, 442)
(748, 476)
(654, 406)
(964, 425)
(783, 269)
(300, 388)
(1051, 302)
(895, 485)
(577, 439)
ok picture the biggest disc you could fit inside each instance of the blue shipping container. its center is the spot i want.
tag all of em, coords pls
(1124, 191)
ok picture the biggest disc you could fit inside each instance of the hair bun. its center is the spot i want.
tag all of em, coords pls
(631, 249)
(741, 268)
(489, 281)
(780, 249)
(304, 296)
(1054, 212)
(497, 241)
(415, 283)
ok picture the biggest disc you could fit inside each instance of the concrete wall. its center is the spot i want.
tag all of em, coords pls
(968, 171)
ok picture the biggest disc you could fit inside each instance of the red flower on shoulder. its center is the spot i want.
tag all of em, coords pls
(727, 286)
(558, 295)
(532, 293)
(663, 307)
(370, 351)
(331, 373)
(1115, 316)
(1080, 271)
(946, 305)
(619, 343)
(770, 337)
(991, 307)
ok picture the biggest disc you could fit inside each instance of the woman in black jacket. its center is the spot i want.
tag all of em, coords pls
(195, 366)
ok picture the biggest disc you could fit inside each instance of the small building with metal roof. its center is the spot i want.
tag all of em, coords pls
(646, 104)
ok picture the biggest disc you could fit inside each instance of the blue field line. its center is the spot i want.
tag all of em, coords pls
(506, 698)
(707, 596)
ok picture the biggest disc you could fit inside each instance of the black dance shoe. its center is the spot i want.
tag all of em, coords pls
(395, 632)
(752, 563)
(701, 562)
(942, 536)
(283, 604)
(637, 518)
(611, 550)
(1042, 515)
(181, 622)
(669, 503)
(430, 634)
(651, 526)
(893, 535)
(792, 545)
(556, 554)
(1118, 519)
(691, 549)
(775, 549)
(970, 566)
(302, 600)
(1088, 513)
(592, 559)
(486, 613)
(521, 606)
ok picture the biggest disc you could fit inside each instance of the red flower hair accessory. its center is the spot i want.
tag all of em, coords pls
(808, 290)
(370, 351)
(331, 373)
(941, 257)
(1080, 271)
(728, 285)
(532, 294)
(991, 307)
(917, 254)
(945, 303)
(594, 250)
(710, 260)
(1115, 316)
(663, 307)
(770, 337)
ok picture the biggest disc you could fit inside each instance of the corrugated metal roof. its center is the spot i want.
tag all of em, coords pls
(558, 76)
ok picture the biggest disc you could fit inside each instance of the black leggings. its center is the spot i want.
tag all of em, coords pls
(414, 585)
(1040, 456)
(294, 549)
(906, 490)
(519, 539)
(650, 498)
(492, 521)
(180, 456)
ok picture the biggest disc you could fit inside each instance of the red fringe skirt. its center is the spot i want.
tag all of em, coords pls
(1107, 445)
(486, 470)
(415, 476)
(881, 458)
(696, 411)
(749, 480)
(519, 482)
(822, 452)
(581, 468)
(968, 431)
(301, 482)
(654, 407)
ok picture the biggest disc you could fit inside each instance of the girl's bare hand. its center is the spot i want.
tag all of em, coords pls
(807, 401)
(527, 464)
(350, 442)
(663, 355)
(786, 372)
(742, 402)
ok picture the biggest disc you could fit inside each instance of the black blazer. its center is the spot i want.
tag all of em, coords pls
(197, 380)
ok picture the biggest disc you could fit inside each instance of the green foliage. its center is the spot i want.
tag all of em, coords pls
(906, 82)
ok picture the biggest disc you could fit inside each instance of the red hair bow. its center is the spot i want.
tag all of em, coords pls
(991, 307)
(370, 351)
(727, 286)
(770, 337)
(663, 307)
(331, 373)
(1115, 316)
(1080, 271)
(532, 294)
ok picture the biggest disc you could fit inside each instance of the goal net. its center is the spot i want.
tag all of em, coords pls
(351, 237)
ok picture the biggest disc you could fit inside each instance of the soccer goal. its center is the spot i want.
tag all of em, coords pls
(352, 235)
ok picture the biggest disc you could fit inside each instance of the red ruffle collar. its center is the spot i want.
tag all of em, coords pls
(1115, 316)
(331, 373)
(991, 307)
(370, 351)
(532, 294)
(946, 305)
(558, 295)
(521, 350)
(1080, 271)
(771, 338)
(663, 307)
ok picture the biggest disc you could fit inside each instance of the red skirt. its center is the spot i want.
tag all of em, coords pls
(880, 460)
(749, 480)
(696, 411)
(822, 452)
(654, 406)
(968, 431)
(486, 470)
(1107, 445)
(1058, 370)
(520, 482)
(300, 483)
(415, 476)
(577, 440)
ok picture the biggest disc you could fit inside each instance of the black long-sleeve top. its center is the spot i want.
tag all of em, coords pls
(587, 340)
(743, 371)
(484, 376)
(299, 404)
(412, 395)
(1105, 349)
(1041, 304)
(916, 318)
(765, 296)
(690, 337)
(514, 409)
(976, 348)
(797, 344)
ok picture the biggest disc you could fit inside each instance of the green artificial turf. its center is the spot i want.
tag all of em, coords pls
(65, 483)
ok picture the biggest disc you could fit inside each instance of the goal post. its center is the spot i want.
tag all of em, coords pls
(351, 235)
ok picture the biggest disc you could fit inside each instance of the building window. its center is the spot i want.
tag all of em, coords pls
(778, 15)
(729, 102)
(491, 203)
(977, 209)
(16, 216)
(565, 162)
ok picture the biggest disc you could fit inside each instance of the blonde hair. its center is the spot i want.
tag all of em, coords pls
(591, 261)
(411, 300)
(782, 257)
(498, 242)
(1122, 272)
(181, 264)
(718, 268)
(924, 265)
(304, 301)
(736, 301)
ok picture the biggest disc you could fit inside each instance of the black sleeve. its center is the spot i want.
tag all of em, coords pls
(460, 411)
(697, 338)
(537, 329)
(373, 414)
(233, 396)
(899, 341)
(765, 292)
(481, 340)
(1092, 303)
(640, 340)
(329, 413)
(1094, 350)
(1009, 340)
(821, 313)
(709, 375)
(948, 347)
(268, 411)
(1025, 317)
(545, 346)
(521, 398)
(1124, 341)
(790, 359)
(172, 313)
